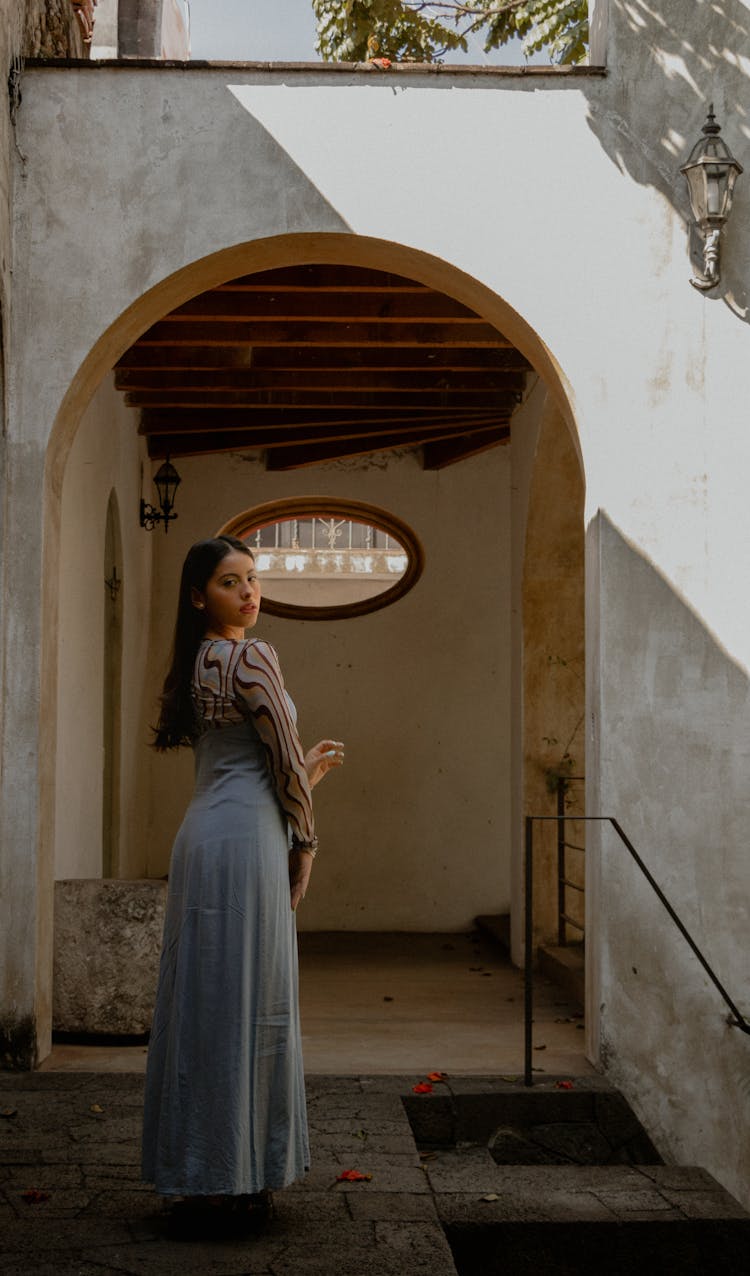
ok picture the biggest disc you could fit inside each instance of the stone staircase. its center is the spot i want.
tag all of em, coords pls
(565, 1181)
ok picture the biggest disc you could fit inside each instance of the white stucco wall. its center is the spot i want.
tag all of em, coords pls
(582, 257)
(415, 830)
(106, 455)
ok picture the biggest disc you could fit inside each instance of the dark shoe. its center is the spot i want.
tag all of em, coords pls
(249, 1213)
(196, 1219)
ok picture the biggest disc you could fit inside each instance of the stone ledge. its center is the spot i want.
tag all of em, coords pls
(107, 945)
(325, 68)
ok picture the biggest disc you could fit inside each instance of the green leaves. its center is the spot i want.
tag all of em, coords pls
(419, 31)
(395, 30)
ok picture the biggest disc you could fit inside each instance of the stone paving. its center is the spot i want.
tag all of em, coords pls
(71, 1199)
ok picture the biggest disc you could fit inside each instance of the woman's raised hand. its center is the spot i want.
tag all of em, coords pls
(321, 757)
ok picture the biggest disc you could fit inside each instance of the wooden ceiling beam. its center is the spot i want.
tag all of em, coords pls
(192, 358)
(323, 279)
(312, 363)
(295, 458)
(365, 381)
(439, 454)
(346, 400)
(313, 307)
(161, 445)
(185, 421)
(218, 332)
(172, 358)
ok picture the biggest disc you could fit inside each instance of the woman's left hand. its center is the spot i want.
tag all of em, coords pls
(321, 757)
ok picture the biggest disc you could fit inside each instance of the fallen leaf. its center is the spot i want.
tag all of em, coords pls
(33, 1196)
(361, 1134)
(540, 1047)
(427, 1156)
(437, 1076)
(388, 999)
(509, 1078)
(96, 1108)
(491, 1196)
(563, 1085)
(8, 1112)
(353, 1176)
(422, 1087)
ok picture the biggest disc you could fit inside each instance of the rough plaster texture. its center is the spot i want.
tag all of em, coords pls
(415, 830)
(107, 456)
(107, 946)
(654, 377)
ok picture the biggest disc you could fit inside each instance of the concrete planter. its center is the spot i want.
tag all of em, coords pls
(106, 954)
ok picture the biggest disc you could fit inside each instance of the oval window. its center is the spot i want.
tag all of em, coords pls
(321, 558)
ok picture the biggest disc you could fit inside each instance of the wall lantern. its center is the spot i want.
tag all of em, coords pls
(167, 481)
(711, 171)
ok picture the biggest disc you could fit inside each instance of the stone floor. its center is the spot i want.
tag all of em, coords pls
(405, 1003)
(72, 1203)
(379, 1012)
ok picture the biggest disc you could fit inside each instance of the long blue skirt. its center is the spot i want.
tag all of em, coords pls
(225, 1101)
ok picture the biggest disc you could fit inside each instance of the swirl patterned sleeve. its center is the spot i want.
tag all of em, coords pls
(259, 684)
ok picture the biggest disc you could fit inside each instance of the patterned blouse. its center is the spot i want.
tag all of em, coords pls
(237, 681)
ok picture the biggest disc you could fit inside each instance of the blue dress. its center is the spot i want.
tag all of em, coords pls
(224, 1100)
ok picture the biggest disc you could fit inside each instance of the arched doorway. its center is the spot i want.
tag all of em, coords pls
(336, 250)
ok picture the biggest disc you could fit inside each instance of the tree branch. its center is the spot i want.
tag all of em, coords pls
(465, 10)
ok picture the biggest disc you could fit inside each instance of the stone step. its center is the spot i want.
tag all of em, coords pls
(566, 1181)
(566, 968)
(709, 1247)
(497, 927)
(586, 1122)
(581, 1219)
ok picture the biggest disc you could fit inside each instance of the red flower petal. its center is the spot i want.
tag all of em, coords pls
(352, 1176)
(564, 1085)
(437, 1076)
(422, 1087)
(33, 1196)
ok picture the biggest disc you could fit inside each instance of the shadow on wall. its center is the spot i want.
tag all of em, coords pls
(675, 719)
(660, 84)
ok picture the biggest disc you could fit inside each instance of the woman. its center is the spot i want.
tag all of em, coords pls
(225, 1118)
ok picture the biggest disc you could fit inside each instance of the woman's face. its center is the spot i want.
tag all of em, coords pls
(231, 598)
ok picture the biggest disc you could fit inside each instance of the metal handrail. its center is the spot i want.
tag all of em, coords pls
(738, 1020)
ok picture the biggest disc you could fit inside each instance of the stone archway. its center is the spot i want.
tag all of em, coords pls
(147, 309)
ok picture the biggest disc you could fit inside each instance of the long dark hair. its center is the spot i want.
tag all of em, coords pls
(177, 724)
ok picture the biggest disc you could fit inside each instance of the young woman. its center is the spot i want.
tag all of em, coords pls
(225, 1119)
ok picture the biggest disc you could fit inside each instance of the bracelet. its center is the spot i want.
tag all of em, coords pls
(311, 847)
